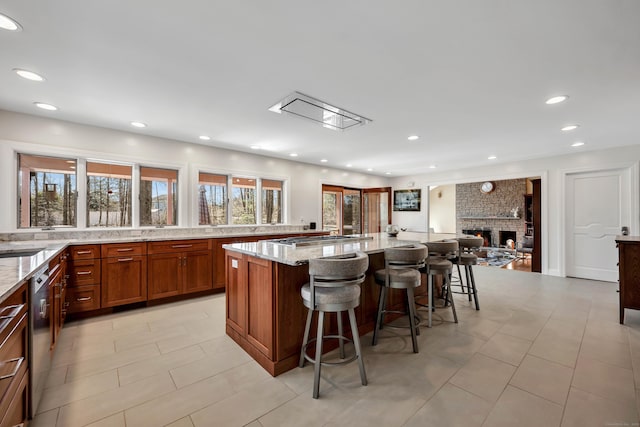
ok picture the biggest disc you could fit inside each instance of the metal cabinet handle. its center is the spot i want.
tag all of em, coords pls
(16, 309)
(83, 252)
(181, 246)
(18, 361)
(124, 250)
(81, 299)
(83, 273)
(125, 259)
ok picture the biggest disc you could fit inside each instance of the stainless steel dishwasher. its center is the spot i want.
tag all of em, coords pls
(40, 335)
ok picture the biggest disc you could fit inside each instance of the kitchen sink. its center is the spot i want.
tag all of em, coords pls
(15, 253)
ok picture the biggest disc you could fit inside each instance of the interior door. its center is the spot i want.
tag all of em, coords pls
(597, 206)
(332, 209)
(376, 209)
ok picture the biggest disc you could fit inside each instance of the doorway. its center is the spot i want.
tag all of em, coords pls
(348, 211)
(597, 205)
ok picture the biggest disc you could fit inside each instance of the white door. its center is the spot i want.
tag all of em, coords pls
(598, 204)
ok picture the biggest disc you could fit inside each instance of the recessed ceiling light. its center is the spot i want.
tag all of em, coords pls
(432, 167)
(369, 169)
(387, 173)
(7, 23)
(255, 147)
(45, 106)
(492, 157)
(413, 137)
(570, 127)
(205, 137)
(29, 75)
(556, 99)
(324, 160)
(349, 165)
(138, 125)
(294, 154)
(577, 144)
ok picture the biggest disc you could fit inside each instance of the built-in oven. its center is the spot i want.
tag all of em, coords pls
(40, 321)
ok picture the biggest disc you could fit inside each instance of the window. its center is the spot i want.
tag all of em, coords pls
(212, 199)
(271, 201)
(108, 195)
(243, 201)
(158, 196)
(46, 191)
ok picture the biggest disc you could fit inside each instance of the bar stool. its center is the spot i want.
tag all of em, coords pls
(467, 258)
(401, 272)
(334, 287)
(438, 264)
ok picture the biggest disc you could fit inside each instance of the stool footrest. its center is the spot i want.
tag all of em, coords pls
(323, 363)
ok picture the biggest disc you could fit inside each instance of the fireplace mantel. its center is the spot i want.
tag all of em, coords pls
(490, 217)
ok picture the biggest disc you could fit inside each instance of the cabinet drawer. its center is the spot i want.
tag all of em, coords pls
(84, 272)
(11, 311)
(123, 249)
(179, 246)
(83, 298)
(14, 406)
(84, 252)
(13, 356)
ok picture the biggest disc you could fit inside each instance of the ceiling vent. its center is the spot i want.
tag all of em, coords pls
(319, 112)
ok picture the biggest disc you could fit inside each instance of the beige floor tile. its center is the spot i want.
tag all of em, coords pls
(604, 380)
(218, 345)
(209, 366)
(543, 378)
(75, 355)
(378, 411)
(78, 390)
(115, 420)
(236, 410)
(453, 404)
(95, 408)
(193, 337)
(112, 361)
(484, 377)
(548, 345)
(458, 347)
(176, 319)
(519, 408)
(136, 340)
(585, 410)
(57, 376)
(182, 422)
(45, 419)
(525, 324)
(506, 348)
(611, 330)
(479, 327)
(162, 363)
(308, 412)
(605, 350)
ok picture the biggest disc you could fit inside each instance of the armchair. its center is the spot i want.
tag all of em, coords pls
(524, 247)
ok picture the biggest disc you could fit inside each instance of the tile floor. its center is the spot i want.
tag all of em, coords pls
(542, 351)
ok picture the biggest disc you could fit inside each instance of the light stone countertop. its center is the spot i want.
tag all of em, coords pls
(290, 255)
(14, 270)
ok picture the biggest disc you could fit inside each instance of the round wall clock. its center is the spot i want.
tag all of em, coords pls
(487, 187)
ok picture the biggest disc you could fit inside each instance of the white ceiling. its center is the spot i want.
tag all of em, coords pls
(470, 77)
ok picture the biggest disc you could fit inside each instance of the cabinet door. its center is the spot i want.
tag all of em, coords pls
(197, 271)
(56, 301)
(165, 275)
(124, 280)
(236, 292)
(260, 309)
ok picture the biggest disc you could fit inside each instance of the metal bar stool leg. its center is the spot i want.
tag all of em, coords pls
(318, 356)
(466, 273)
(475, 291)
(412, 319)
(450, 298)
(430, 280)
(356, 344)
(379, 315)
(340, 334)
(305, 340)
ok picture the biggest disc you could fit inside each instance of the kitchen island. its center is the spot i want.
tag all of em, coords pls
(265, 314)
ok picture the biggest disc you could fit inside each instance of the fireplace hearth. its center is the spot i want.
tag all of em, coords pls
(480, 232)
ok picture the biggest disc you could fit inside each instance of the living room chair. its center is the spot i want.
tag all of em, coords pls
(524, 247)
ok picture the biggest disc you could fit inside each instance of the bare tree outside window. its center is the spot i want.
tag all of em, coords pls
(271, 201)
(243, 201)
(108, 195)
(212, 199)
(46, 191)
(158, 196)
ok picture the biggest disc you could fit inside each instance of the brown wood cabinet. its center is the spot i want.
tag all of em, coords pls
(83, 286)
(629, 272)
(251, 309)
(124, 274)
(57, 293)
(178, 267)
(14, 355)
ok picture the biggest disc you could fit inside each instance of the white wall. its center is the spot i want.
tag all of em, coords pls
(442, 208)
(552, 171)
(37, 135)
